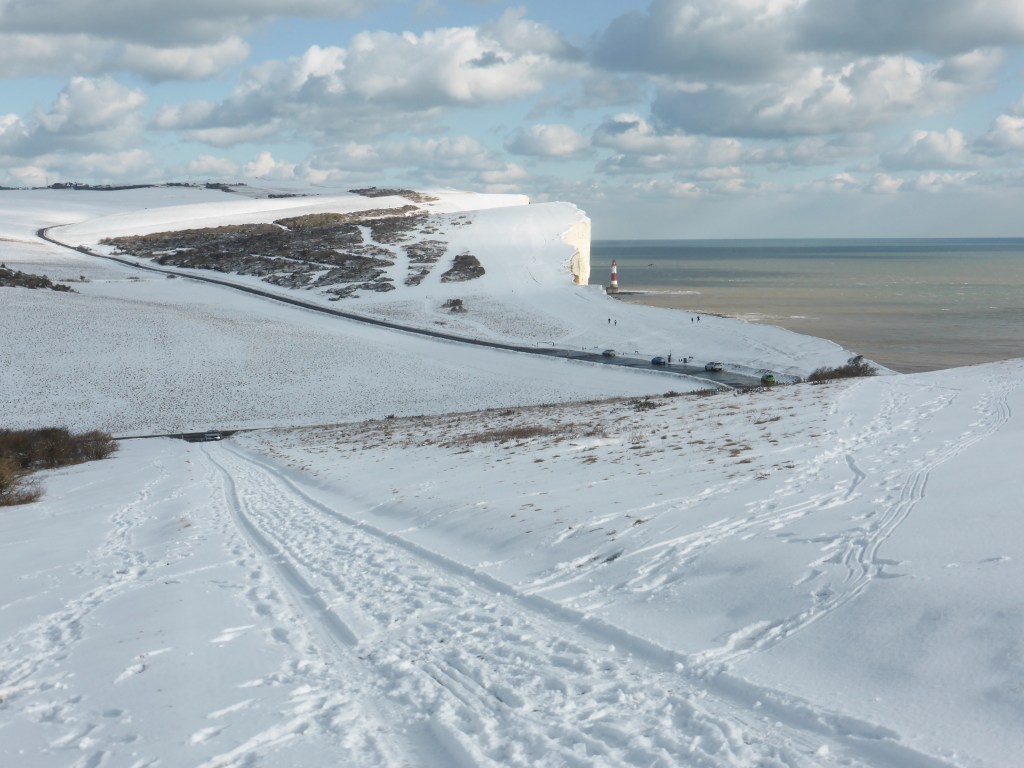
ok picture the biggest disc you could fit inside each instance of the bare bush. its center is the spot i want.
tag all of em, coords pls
(643, 405)
(853, 369)
(517, 433)
(24, 451)
(13, 487)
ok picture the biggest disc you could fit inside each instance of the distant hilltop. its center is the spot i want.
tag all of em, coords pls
(372, 240)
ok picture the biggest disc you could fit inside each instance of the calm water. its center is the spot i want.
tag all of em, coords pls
(911, 305)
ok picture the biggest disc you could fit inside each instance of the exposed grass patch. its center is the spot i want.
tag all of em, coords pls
(512, 433)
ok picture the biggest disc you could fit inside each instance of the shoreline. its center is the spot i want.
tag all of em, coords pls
(874, 340)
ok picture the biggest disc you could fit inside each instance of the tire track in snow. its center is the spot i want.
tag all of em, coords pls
(326, 663)
(495, 677)
(490, 681)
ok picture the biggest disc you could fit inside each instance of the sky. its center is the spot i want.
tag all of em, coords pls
(660, 118)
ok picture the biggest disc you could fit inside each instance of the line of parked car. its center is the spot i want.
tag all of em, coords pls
(713, 366)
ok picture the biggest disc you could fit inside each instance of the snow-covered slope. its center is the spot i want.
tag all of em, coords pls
(816, 576)
(133, 351)
(510, 572)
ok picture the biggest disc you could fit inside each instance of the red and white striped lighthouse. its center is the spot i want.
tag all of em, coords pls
(615, 276)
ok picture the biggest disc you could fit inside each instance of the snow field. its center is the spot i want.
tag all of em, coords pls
(771, 518)
(157, 356)
(531, 562)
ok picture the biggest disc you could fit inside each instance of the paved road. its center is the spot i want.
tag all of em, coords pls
(725, 379)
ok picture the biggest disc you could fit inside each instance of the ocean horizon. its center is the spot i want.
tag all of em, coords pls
(909, 304)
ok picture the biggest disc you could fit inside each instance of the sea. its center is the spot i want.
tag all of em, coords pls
(908, 304)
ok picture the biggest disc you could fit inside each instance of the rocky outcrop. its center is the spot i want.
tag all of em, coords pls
(466, 266)
(11, 278)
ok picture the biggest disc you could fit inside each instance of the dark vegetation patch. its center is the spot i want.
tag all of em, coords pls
(408, 194)
(10, 278)
(26, 450)
(645, 404)
(466, 266)
(853, 369)
(329, 220)
(328, 251)
(422, 256)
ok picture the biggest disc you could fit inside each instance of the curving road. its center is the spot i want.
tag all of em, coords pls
(729, 379)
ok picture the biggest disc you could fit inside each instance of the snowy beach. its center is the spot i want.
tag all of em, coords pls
(427, 553)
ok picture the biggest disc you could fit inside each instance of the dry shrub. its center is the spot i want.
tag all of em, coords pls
(52, 447)
(643, 405)
(851, 370)
(96, 445)
(523, 432)
(23, 451)
(13, 487)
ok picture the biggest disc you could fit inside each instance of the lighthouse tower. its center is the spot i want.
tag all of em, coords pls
(614, 286)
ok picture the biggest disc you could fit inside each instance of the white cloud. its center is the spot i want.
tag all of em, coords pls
(725, 173)
(88, 105)
(511, 173)
(184, 63)
(838, 182)
(458, 161)
(174, 116)
(1006, 135)
(154, 22)
(810, 151)
(382, 83)
(186, 39)
(30, 55)
(882, 183)
(937, 182)
(448, 153)
(231, 136)
(552, 141)
(87, 115)
(509, 179)
(26, 176)
(208, 166)
(264, 166)
(640, 148)
(928, 150)
(853, 97)
(518, 35)
(443, 67)
(130, 165)
(733, 40)
(13, 133)
(941, 27)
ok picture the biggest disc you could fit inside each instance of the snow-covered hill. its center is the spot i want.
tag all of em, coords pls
(532, 563)
(135, 352)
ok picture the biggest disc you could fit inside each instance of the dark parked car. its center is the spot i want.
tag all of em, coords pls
(657, 361)
(714, 367)
(609, 353)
